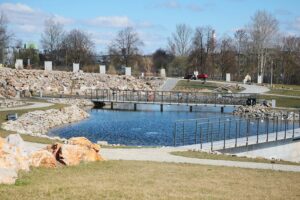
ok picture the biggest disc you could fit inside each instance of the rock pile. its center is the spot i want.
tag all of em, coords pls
(262, 111)
(75, 102)
(58, 82)
(9, 103)
(39, 122)
(16, 155)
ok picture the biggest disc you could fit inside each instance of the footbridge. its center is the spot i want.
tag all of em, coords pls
(102, 96)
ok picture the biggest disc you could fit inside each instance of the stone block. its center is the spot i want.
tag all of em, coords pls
(48, 65)
(19, 64)
(102, 69)
(128, 71)
(228, 77)
(163, 73)
(75, 67)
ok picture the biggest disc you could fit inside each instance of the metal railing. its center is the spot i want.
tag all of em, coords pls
(228, 132)
(168, 97)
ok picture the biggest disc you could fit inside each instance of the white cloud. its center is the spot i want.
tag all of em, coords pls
(62, 20)
(18, 7)
(111, 21)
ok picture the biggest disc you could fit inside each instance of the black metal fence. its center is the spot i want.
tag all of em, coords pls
(228, 132)
(169, 97)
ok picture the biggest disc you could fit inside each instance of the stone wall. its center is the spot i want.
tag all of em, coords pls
(58, 82)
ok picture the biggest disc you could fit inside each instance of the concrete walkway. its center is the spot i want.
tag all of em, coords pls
(32, 105)
(163, 155)
(169, 84)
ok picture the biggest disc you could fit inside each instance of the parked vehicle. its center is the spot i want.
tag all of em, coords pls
(190, 77)
(203, 77)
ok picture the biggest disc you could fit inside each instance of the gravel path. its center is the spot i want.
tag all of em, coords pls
(31, 106)
(163, 155)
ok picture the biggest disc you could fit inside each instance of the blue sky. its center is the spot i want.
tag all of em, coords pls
(154, 20)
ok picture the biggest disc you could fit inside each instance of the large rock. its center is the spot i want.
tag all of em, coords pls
(77, 150)
(42, 158)
(8, 176)
(82, 141)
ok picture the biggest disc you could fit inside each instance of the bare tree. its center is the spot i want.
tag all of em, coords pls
(203, 47)
(126, 46)
(227, 56)
(180, 42)
(262, 29)
(78, 47)
(4, 37)
(51, 39)
(241, 43)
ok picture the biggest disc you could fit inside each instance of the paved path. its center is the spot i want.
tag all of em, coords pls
(169, 84)
(163, 155)
(257, 89)
(31, 106)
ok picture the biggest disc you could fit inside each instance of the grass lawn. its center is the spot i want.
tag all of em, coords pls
(198, 85)
(28, 138)
(152, 180)
(285, 92)
(184, 84)
(204, 155)
(288, 102)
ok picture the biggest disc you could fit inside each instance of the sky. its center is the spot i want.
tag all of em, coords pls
(154, 20)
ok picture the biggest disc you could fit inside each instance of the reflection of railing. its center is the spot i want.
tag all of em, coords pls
(221, 133)
(168, 97)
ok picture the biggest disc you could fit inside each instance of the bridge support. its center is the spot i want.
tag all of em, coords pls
(134, 106)
(112, 105)
(191, 108)
(161, 107)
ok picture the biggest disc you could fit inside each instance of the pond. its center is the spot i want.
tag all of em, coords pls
(146, 127)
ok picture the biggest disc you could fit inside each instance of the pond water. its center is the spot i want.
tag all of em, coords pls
(147, 126)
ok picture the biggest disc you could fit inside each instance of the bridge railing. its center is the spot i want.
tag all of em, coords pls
(171, 97)
(228, 132)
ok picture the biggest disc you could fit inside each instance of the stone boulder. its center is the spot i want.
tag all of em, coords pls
(77, 150)
(82, 141)
(8, 176)
(43, 158)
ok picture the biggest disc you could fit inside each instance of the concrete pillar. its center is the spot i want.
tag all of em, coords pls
(112, 105)
(161, 107)
(163, 73)
(75, 67)
(128, 71)
(48, 65)
(222, 109)
(19, 64)
(228, 77)
(134, 106)
(191, 108)
(102, 69)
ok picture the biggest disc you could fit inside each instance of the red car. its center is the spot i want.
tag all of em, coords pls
(202, 76)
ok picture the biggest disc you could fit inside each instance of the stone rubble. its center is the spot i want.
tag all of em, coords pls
(261, 111)
(9, 103)
(14, 81)
(17, 155)
(75, 102)
(38, 122)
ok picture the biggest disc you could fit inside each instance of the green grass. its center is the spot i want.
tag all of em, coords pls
(285, 92)
(152, 180)
(28, 138)
(287, 102)
(204, 155)
(185, 84)
(198, 85)
(289, 87)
